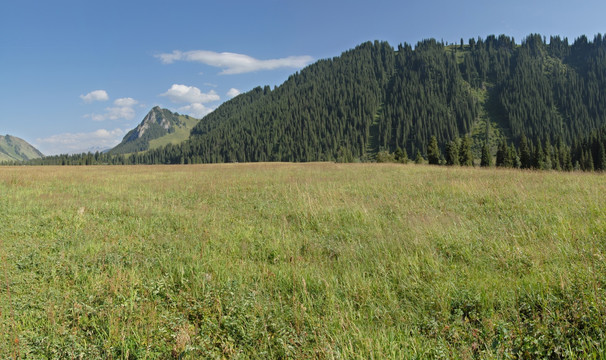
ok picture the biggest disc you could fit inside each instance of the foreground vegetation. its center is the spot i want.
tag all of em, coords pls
(301, 261)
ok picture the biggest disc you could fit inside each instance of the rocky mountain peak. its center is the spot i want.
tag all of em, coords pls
(154, 116)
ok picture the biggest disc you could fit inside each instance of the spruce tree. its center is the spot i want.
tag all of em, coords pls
(486, 159)
(567, 161)
(465, 154)
(433, 152)
(525, 157)
(589, 161)
(512, 159)
(539, 157)
(419, 159)
(401, 155)
(502, 153)
(452, 153)
(547, 156)
(601, 160)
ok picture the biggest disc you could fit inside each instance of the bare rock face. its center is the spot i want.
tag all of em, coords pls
(155, 116)
(156, 124)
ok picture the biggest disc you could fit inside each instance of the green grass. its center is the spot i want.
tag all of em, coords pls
(301, 261)
(459, 53)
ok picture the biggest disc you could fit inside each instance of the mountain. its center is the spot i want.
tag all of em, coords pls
(15, 149)
(159, 128)
(536, 104)
(375, 98)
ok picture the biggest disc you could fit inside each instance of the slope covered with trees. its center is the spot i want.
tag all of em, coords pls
(375, 98)
(481, 96)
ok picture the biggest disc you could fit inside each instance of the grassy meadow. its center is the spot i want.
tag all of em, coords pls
(334, 261)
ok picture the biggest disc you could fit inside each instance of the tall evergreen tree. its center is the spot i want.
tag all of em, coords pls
(588, 166)
(525, 157)
(486, 158)
(538, 158)
(433, 152)
(452, 153)
(419, 158)
(502, 153)
(465, 154)
(601, 160)
(400, 155)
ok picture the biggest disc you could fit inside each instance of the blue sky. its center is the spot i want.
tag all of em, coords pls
(77, 75)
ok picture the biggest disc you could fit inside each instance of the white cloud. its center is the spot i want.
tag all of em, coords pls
(189, 94)
(97, 95)
(233, 63)
(125, 102)
(196, 110)
(71, 143)
(123, 109)
(120, 112)
(233, 93)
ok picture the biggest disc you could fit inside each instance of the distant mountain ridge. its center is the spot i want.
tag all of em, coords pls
(13, 148)
(160, 127)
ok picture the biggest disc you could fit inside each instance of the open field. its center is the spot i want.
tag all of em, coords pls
(301, 261)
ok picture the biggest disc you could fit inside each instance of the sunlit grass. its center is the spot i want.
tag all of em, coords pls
(301, 261)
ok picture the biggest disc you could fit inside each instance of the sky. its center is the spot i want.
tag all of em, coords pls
(76, 76)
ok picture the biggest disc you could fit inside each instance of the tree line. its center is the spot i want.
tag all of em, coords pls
(586, 154)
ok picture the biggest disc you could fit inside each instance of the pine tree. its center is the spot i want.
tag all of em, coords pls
(401, 155)
(567, 161)
(465, 154)
(502, 153)
(452, 153)
(601, 160)
(589, 161)
(525, 157)
(419, 159)
(539, 157)
(547, 156)
(486, 159)
(512, 159)
(433, 152)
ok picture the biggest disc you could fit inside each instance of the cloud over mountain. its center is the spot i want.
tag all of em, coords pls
(231, 93)
(233, 63)
(196, 110)
(189, 94)
(194, 97)
(122, 109)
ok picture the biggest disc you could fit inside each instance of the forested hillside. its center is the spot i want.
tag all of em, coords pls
(375, 97)
(486, 93)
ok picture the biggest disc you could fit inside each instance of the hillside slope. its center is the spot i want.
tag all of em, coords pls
(15, 149)
(160, 127)
(375, 98)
